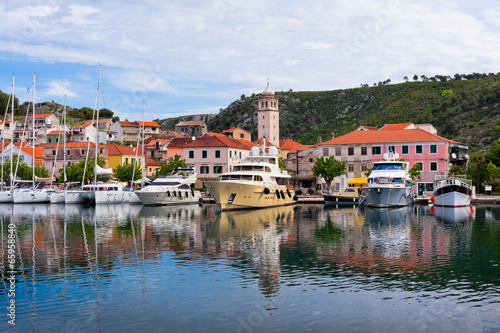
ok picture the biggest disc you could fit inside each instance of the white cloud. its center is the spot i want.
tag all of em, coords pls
(59, 88)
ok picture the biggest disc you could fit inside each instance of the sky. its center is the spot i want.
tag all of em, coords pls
(187, 57)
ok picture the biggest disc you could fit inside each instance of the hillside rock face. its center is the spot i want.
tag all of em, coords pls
(45, 107)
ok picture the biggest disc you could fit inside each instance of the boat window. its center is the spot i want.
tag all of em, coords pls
(397, 180)
(246, 177)
(350, 190)
(258, 168)
(235, 177)
(184, 187)
(236, 168)
(377, 167)
(225, 177)
(268, 169)
(257, 178)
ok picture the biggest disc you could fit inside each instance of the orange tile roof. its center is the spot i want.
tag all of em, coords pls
(148, 123)
(288, 144)
(70, 144)
(392, 127)
(394, 136)
(191, 123)
(151, 162)
(128, 123)
(300, 147)
(217, 140)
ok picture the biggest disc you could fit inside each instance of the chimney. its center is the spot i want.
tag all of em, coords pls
(319, 139)
(332, 137)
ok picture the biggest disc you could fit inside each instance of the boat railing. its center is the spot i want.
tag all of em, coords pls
(454, 180)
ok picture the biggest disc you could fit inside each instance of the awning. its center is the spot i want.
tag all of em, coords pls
(357, 181)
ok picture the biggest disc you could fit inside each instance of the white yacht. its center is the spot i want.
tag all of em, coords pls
(389, 184)
(171, 189)
(454, 191)
(104, 193)
(256, 182)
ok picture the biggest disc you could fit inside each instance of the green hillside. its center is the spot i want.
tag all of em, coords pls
(465, 108)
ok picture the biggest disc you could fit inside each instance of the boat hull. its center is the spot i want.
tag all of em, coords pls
(30, 196)
(388, 196)
(341, 198)
(57, 197)
(6, 197)
(232, 196)
(452, 196)
(76, 197)
(160, 198)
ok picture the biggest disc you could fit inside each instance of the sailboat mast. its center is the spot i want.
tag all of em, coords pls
(96, 155)
(143, 164)
(64, 144)
(12, 133)
(33, 127)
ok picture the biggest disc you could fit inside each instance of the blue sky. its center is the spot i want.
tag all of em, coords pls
(192, 57)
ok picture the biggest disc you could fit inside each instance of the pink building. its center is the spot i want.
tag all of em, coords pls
(213, 154)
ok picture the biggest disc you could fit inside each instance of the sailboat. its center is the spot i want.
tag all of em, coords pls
(32, 195)
(6, 194)
(131, 196)
(60, 196)
(99, 192)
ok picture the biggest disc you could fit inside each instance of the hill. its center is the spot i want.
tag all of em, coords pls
(465, 108)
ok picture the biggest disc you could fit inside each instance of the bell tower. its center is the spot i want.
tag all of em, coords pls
(269, 117)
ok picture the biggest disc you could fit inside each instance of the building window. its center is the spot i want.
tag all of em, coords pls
(350, 167)
(376, 150)
(421, 165)
(433, 149)
(404, 150)
(126, 160)
(217, 168)
(68, 152)
(82, 151)
(204, 169)
(350, 151)
(363, 167)
(391, 149)
(150, 169)
(338, 151)
(217, 154)
(310, 160)
(326, 152)
(240, 155)
(204, 154)
(364, 151)
(191, 154)
(433, 166)
(242, 136)
(53, 153)
(418, 149)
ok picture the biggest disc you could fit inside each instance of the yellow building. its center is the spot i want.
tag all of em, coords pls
(118, 155)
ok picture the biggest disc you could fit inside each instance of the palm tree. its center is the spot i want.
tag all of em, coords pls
(478, 159)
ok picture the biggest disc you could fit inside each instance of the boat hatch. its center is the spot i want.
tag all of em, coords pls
(231, 198)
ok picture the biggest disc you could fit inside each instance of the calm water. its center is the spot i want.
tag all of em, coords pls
(295, 269)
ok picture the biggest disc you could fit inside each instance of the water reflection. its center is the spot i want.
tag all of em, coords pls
(451, 214)
(114, 267)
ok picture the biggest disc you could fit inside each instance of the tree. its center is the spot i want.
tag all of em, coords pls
(123, 172)
(172, 164)
(328, 169)
(75, 171)
(478, 159)
(494, 155)
(415, 170)
(405, 78)
(415, 77)
(24, 171)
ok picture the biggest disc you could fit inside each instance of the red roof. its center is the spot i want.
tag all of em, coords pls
(218, 140)
(41, 116)
(179, 142)
(39, 152)
(151, 162)
(114, 149)
(393, 136)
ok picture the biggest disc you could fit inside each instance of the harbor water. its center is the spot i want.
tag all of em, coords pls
(309, 267)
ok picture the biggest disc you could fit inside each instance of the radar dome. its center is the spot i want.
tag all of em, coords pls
(254, 151)
(273, 151)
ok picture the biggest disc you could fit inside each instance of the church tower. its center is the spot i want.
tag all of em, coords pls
(269, 117)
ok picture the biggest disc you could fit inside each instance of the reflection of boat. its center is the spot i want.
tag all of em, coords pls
(256, 182)
(453, 191)
(171, 189)
(251, 222)
(349, 196)
(389, 183)
(451, 214)
(384, 216)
